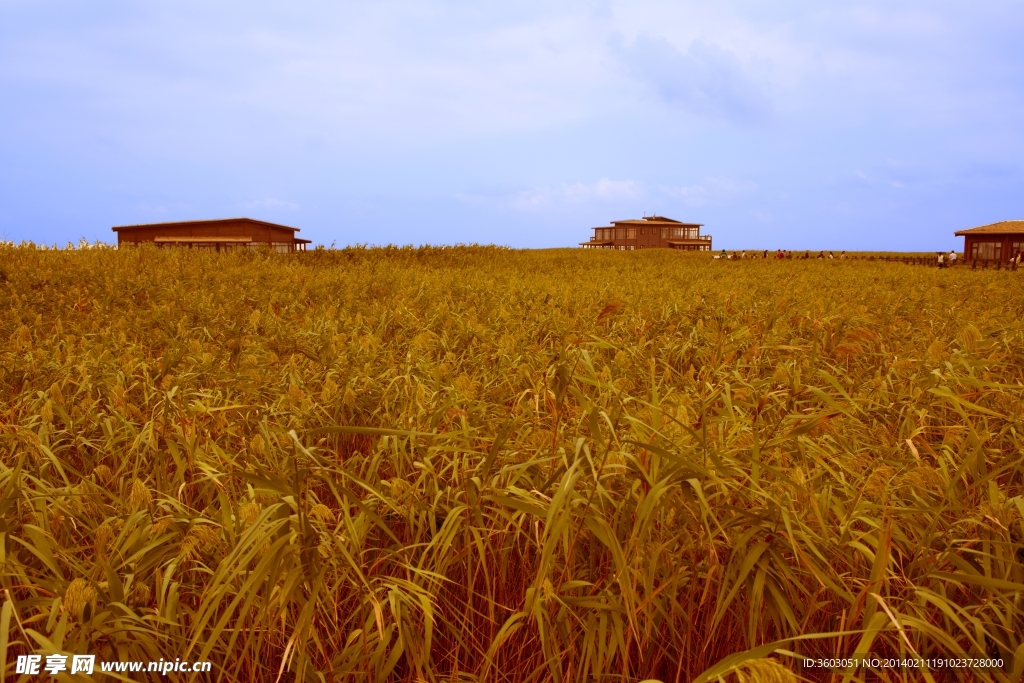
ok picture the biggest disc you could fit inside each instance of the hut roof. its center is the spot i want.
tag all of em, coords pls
(203, 222)
(1000, 228)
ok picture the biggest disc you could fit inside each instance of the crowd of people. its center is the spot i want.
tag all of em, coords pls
(944, 260)
(781, 253)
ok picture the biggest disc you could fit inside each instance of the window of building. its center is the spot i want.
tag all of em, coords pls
(642, 230)
(1017, 248)
(620, 233)
(987, 251)
(630, 233)
(680, 232)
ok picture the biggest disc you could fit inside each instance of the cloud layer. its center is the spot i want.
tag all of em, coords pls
(855, 125)
(705, 79)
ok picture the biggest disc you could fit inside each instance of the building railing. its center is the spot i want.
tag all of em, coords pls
(698, 238)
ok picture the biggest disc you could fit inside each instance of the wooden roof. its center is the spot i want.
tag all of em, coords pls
(657, 220)
(182, 224)
(1000, 228)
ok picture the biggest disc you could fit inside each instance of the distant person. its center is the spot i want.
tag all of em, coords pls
(831, 255)
(842, 257)
(941, 259)
(725, 254)
(780, 254)
(807, 254)
(821, 254)
(743, 254)
(765, 255)
(952, 258)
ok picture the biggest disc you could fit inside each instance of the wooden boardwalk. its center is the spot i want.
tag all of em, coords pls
(975, 264)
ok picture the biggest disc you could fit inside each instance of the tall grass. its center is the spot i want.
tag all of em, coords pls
(483, 464)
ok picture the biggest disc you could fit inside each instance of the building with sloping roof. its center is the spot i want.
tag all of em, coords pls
(649, 232)
(993, 242)
(221, 234)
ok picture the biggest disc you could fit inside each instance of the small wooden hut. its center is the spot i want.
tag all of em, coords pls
(219, 234)
(993, 242)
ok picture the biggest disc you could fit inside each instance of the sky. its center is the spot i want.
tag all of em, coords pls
(796, 125)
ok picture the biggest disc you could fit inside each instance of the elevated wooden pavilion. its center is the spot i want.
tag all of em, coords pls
(648, 233)
(220, 234)
(993, 242)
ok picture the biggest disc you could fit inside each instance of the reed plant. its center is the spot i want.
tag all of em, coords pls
(481, 464)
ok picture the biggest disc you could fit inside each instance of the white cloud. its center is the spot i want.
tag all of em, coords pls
(706, 79)
(711, 191)
(603, 191)
(399, 72)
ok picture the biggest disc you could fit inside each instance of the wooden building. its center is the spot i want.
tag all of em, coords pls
(220, 234)
(994, 242)
(648, 233)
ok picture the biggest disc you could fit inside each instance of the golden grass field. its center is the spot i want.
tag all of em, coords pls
(480, 464)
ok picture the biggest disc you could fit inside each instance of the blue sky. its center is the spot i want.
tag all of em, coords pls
(856, 125)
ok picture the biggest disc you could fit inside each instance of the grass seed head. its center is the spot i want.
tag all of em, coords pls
(322, 512)
(104, 535)
(141, 595)
(139, 495)
(46, 412)
(877, 484)
(765, 670)
(102, 474)
(247, 513)
(200, 539)
(161, 525)
(77, 596)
